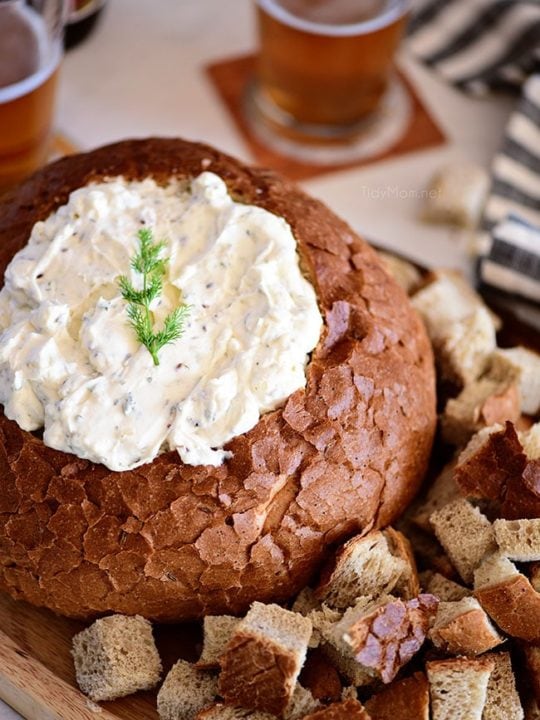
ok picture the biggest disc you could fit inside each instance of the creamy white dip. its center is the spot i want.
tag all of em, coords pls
(71, 363)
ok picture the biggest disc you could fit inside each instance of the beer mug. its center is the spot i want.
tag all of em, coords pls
(324, 66)
(30, 52)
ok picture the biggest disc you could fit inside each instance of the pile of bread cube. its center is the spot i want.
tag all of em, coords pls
(374, 638)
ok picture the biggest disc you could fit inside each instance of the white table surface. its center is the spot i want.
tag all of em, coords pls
(141, 74)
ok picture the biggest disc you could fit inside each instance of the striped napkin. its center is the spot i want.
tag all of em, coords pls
(483, 46)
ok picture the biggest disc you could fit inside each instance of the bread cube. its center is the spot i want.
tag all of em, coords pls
(264, 656)
(384, 635)
(116, 656)
(457, 195)
(492, 457)
(463, 628)
(486, 402)
(185, 692)
(508, 598)
(458, 687)
(518, 540)
(368, 565)
(461, 328)
(502, 699)
(465, 534)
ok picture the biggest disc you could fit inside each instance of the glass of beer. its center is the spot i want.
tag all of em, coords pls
(325, 68)
(30, 52)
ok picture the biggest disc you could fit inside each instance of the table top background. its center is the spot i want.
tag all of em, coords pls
(141, 73)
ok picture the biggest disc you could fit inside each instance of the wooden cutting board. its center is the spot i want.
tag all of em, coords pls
(36, 671)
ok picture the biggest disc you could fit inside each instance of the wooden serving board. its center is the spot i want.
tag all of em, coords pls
(37, 677)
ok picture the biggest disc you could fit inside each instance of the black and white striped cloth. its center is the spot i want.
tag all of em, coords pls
(491, 45)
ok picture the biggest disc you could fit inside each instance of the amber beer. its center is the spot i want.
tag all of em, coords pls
(29, 57)
(324, 65)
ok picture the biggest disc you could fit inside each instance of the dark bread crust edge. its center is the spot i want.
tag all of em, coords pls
(169, 541)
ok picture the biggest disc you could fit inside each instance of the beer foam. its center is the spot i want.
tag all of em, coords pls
(393, 10)
(49, 53)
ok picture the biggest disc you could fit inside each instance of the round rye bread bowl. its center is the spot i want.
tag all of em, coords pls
(172, 541)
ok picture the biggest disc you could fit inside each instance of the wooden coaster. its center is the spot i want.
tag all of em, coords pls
(230, 78)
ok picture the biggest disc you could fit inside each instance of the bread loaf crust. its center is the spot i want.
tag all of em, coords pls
(170, 541)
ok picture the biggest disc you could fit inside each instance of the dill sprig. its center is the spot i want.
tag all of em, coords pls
(152, 267)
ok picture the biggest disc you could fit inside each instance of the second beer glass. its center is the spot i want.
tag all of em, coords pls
(30, 52)
(324, 65)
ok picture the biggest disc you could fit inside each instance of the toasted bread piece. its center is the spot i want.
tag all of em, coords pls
(458, 192)
(495, 466)
(466, 347)
(465, 534)
(365, 566)
(116, 656)
(462, 628)
(526, 365)
(492, 456)
(442, 491)
(345, 710)
(518, 540)
(404, 273)
(502, 701)
(185, 692)
(458, 687)
(485, 402)
(218, 630)
(384, 635)
(460, 326)
(443, 588)
(321, 677)
(493, 570)
(264, 657)
(508, 598)
(405, 699)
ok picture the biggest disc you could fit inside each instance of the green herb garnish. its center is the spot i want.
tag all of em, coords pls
(152, 267)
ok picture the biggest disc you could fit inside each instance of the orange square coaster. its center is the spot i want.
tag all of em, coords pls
(230, 78)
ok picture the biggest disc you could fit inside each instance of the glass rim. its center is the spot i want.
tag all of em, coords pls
(278, 12)
(50, 52)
